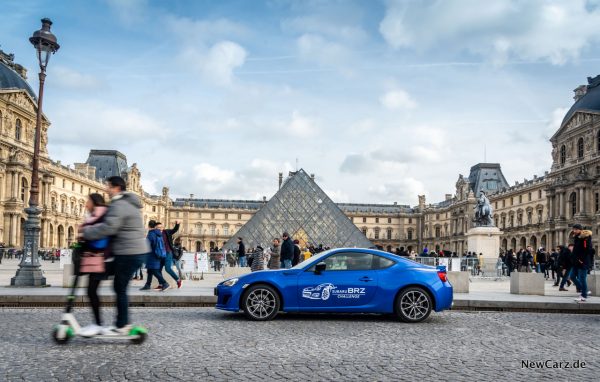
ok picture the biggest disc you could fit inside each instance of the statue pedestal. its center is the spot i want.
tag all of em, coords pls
(485, 240)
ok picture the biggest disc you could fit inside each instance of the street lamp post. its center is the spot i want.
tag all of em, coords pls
(29, 272)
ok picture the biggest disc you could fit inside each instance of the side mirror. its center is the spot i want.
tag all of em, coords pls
(320, 267)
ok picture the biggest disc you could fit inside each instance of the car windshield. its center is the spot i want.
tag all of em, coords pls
(316, 257)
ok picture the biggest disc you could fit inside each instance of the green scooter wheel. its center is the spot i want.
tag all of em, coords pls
(62, 335)
(139, 335)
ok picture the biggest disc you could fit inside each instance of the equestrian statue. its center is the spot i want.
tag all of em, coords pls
(483, 211)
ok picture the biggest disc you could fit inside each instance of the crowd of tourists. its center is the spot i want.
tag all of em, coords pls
(283, 253)
(564, 264)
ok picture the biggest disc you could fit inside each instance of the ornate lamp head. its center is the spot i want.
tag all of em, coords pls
(45, 43)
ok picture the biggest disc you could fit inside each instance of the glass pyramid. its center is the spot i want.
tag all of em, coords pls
(302, 209)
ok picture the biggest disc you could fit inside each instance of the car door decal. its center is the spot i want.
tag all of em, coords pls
(320, 292)
(326, 290)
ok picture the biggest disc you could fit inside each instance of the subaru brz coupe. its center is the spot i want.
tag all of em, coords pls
(341, 280)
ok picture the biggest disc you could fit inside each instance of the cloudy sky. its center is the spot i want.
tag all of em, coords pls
(382, 100)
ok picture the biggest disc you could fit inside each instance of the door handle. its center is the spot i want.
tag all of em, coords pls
(366, 279)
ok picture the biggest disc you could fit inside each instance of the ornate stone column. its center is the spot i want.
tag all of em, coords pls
(13, 186)
(13, 229)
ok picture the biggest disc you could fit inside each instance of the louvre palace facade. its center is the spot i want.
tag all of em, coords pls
(535, 212)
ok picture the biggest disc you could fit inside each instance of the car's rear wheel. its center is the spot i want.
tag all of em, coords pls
(261, 303)
(413, 305)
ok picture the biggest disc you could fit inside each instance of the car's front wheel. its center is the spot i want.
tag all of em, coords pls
(413, 305)
(261, 303)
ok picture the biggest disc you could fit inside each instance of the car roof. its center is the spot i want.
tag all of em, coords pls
(387, 255)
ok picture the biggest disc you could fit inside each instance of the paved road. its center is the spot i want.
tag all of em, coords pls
(204, 344)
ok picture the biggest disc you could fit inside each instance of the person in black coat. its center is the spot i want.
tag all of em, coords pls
(526, 261)
(296, 258)
(582, 247)
(553, 263)
(510, 261)
(241, 252)
(564, 267)
(287, 251)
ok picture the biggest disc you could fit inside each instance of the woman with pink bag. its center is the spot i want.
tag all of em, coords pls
(93, 261)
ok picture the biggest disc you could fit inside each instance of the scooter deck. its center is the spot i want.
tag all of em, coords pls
(112, 337)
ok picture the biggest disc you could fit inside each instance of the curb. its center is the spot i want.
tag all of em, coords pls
(527, 306)
(153, 301)
(54, 301)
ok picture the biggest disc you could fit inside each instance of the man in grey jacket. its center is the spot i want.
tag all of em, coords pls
(124, 227)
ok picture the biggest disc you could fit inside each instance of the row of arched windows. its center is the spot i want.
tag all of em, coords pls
(580, 149)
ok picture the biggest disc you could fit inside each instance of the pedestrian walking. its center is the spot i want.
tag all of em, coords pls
(565, 263)
(499, 266)
(553, 264)
(167, 237)
(92, 261)
(297, 252)
(582, 246)
(541, 260)
(155, 257)
(123, 224)
(274, 255)
(257, 260)
(287, 251)
(178, 250)
(231, 260)
(526, 260)
(241, 251)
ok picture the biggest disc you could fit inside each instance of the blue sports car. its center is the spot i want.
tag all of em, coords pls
(342, 280)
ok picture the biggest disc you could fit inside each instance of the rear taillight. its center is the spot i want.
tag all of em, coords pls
(443, 276)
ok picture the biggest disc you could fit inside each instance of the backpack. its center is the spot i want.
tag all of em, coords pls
(158, 247)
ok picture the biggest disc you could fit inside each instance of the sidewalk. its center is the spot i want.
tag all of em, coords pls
(485, 294)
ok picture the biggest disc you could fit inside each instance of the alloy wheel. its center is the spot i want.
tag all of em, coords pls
(261, 303)
(415, 305)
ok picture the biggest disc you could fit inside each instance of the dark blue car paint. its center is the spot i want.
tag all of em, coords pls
(387, 284)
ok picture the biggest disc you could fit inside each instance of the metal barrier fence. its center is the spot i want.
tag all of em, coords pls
(457, 264)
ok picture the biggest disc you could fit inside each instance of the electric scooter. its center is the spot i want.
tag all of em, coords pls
(70, 328)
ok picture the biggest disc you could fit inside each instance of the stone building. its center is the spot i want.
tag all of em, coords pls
(536, 212)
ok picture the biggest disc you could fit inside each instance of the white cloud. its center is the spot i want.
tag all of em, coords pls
(217, 63)
(363, 126)
(213, 174)
(254, 180)
(338, 196)
(71, 79)
(425, 145)
(558, 115)
(397, 99)
(95, 123)
(319, 24)
(356, 164)
(496, 29)
(301, 126)
(221, 60)
(313, 47)
(207, 46)
(406, 188)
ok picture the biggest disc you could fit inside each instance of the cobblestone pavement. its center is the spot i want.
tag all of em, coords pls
(201, 344)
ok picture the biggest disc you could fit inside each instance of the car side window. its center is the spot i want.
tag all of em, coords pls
(380, 262)
(349, 261)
